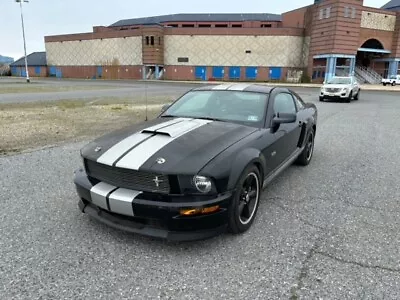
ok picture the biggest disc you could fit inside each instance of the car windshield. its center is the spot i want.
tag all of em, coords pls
(393, 77)
(246, 108)
(339, 80)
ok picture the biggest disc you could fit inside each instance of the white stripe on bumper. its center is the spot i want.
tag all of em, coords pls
(121, 201)
(99, 194)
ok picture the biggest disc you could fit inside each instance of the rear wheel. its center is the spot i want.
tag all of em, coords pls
(306, 155)
(384, 84)
(321, 98)
(246, 200)
(393, 83)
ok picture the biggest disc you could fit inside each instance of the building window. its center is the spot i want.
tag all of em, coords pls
(346, 11)
(152, 40)
(147, 40)
(183, 59)
(187, 25)
(353, 12)
(236, 25)
(328, 12)
(221, 25)
(321, 13)
(204, 25)
(266, 25)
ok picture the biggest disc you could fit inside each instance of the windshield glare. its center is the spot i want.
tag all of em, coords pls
(235, 106)
(337, 80)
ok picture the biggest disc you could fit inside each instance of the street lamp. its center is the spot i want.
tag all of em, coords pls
(23, 34)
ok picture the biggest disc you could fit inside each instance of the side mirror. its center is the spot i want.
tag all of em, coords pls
(283, 118)
(165, 107)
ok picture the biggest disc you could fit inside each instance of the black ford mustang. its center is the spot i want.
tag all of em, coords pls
(199, 167)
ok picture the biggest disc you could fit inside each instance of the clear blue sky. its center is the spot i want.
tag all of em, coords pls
(52, 17)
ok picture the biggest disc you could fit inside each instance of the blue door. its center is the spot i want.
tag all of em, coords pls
(234, 73)
(275, 73)
(14, 71)
(218, 72)
(99, 72)
(200, 73)
(251, 73)
(53, 71)
(58, 73)
(38, 70)
(23, 72)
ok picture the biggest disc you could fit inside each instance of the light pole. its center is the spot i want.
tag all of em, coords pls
(23, 35)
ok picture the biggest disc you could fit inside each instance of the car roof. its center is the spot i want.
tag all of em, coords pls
(240, 87)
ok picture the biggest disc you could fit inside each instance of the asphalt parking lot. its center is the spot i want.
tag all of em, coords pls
(326, 231)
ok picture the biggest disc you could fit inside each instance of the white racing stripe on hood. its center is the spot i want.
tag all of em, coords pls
(140, 154)
(116, 151)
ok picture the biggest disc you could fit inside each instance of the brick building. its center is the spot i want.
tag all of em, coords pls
(325, 38)
(37, 65)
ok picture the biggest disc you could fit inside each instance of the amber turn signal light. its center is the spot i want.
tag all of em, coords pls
(199, 211)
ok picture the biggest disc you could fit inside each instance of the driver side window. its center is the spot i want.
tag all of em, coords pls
(284, 104)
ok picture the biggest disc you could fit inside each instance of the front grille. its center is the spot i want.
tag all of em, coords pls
(332, 90)
(129, 179)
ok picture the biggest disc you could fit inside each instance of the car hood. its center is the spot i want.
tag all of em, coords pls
(166, 145)
(336, 86)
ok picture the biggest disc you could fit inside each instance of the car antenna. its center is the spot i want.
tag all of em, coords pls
(145, 95)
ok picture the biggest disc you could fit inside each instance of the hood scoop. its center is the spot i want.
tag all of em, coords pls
(155, 132)
(176, 129)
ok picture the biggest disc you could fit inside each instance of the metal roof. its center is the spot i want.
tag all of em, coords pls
(392, 5)
(34, 59)
(228, 17)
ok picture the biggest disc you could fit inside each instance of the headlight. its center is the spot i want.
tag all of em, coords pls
(203, 184)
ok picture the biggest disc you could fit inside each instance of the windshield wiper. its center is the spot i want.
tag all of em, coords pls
(210, 118)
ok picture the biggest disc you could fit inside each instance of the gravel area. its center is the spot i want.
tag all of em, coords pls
(326, 231)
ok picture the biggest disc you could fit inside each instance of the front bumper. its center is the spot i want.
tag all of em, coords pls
(342, 94)
(150, 217)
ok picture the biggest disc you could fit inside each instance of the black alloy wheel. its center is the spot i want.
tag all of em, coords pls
(308, 151)
(246, 201)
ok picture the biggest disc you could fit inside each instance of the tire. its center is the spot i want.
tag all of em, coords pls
(393, 83)
(348, 99)
(321, 98)
(305, 157)
(384, 84)
(357, 96)
(245, 202)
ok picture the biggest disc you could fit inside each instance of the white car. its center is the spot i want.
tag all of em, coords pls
(393, 80)
(340, 88)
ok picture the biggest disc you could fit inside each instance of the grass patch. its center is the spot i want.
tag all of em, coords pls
(38, 124)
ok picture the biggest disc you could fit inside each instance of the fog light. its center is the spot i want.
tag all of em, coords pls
(199, 211)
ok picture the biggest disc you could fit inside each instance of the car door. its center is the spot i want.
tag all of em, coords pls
(286, 136)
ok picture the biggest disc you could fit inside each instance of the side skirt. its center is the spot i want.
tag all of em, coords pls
(282, 167)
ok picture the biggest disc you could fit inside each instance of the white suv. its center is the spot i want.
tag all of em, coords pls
(340, 88)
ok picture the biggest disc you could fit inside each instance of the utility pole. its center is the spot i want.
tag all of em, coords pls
(23, 35)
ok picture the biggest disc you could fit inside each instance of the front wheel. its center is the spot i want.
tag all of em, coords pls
(305, 157)
(246, 200)
(348, 99)
(393, 83)
(321, 98)
(357, 96)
